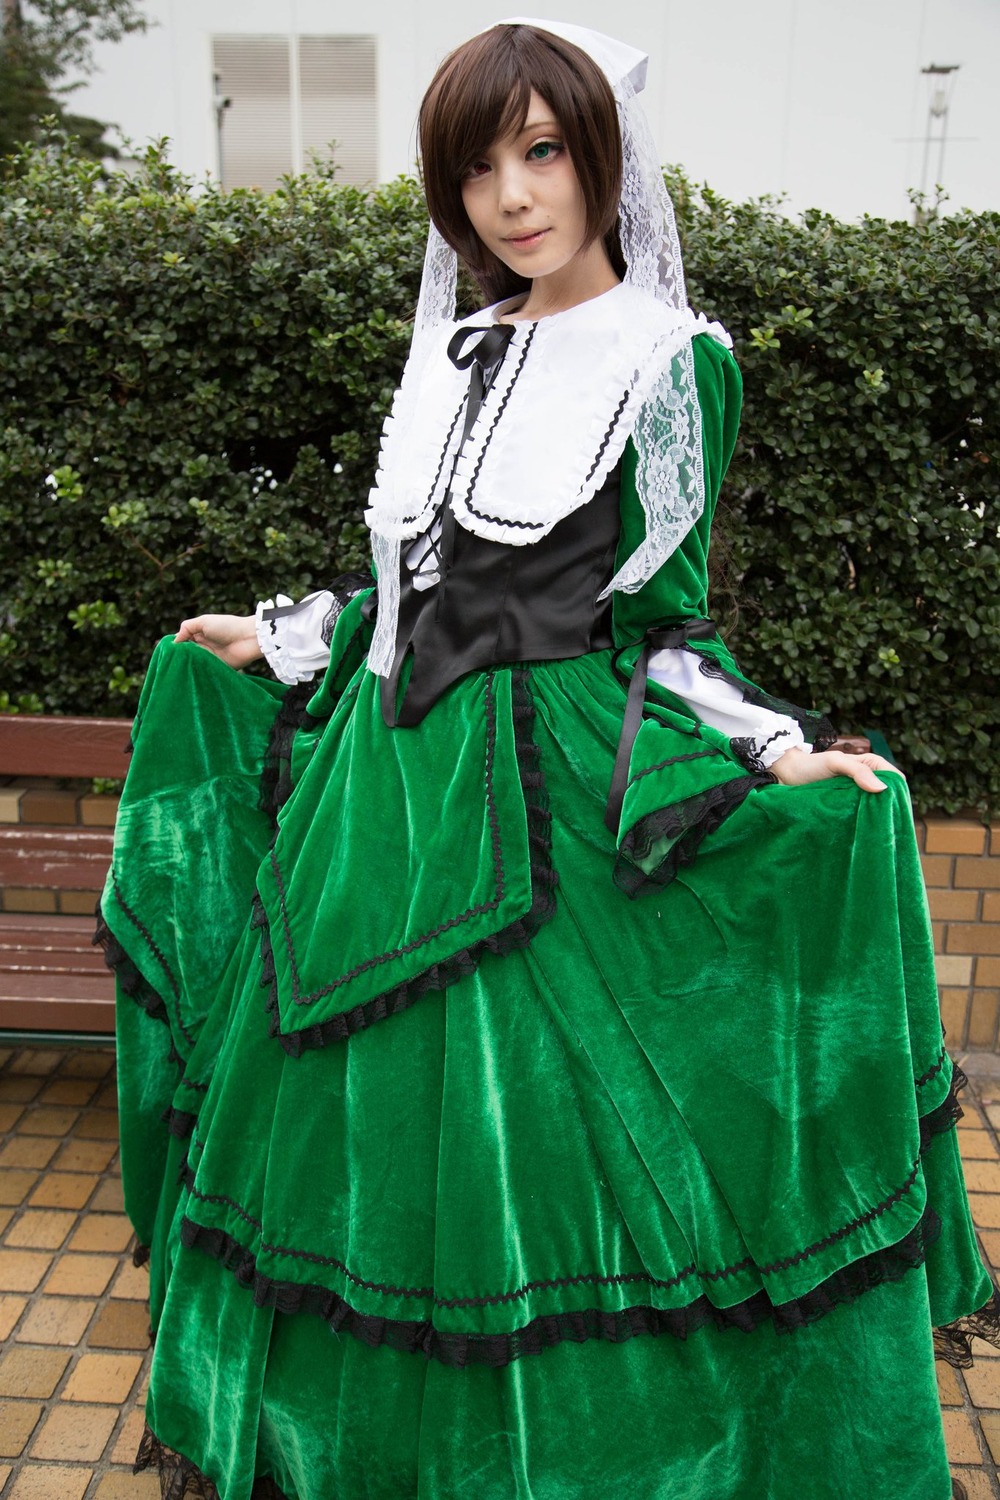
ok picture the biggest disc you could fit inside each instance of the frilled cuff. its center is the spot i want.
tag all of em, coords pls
(758, 735)
(291, 635)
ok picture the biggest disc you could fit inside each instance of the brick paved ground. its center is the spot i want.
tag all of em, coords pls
(73, 1312)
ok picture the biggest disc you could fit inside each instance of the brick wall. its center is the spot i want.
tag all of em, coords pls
(961, 860)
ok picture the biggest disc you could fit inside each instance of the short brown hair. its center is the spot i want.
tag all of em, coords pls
(480, 94)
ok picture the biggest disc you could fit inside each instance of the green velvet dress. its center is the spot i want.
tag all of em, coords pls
(481, 1154)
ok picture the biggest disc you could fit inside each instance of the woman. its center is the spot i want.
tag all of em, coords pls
(481, 1178)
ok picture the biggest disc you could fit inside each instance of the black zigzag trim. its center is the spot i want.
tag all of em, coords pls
(616, 417)
(816, 728)
(131, 981)
(459, 1350)
(420, 1335)
(439, 976)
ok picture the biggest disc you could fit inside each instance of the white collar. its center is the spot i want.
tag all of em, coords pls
(570, 392)
(552, 427)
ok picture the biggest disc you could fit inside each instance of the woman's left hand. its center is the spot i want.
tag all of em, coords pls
(797, 767)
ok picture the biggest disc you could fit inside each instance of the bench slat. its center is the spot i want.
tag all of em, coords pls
(56, 1013)
(68, 859)
(42, 926)
(49, 745)
(27, 958)
(44, 987)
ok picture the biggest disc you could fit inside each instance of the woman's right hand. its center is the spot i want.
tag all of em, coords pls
(232, 638)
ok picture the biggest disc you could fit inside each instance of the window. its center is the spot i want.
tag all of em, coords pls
(291, 98)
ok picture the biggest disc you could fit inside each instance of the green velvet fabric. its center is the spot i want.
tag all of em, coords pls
(573, 1102)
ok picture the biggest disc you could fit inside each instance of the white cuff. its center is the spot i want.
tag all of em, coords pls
(293, 643)
(722, 705)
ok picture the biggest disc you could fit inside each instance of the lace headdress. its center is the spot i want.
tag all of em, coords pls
(517, 477)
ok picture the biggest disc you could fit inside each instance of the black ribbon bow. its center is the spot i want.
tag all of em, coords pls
(493, 341)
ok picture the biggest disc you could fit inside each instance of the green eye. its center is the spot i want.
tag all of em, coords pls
(543, 150)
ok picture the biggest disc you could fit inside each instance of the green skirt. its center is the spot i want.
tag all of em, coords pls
(481, 1153)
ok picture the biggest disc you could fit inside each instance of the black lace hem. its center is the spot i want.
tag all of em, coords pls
(953, 1341)
(179, 1122)
(948, 1112)
(937, 1121)
(687, 824)
(180, 1479)
(130, 980)
(459, 1350)
(276, 774)
(816, 728)
(440, 976)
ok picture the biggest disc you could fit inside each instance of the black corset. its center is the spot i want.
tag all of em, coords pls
(497, 603)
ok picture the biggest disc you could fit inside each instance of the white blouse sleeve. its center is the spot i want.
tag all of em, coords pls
(722, 705)
(291, 635)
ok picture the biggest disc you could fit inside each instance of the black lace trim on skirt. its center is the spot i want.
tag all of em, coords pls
(948, 1112)
(179, 1122)
(953, 1341)
(417, 1336)
(498, 1350)
(131, 982)
(180, 1479)
(687, 824)
(441, 975)
(276, 775)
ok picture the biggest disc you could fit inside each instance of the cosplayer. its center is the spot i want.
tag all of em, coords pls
(531, 1076)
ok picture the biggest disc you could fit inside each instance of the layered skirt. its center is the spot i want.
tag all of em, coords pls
(481, 1153)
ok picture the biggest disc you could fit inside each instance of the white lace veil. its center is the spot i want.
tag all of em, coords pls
(668, 438)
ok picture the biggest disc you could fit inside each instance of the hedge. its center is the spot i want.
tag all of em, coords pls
(192, 385)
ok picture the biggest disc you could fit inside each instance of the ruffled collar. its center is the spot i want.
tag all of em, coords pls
(552, 426)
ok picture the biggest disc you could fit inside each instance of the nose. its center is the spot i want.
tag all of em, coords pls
(512, 188)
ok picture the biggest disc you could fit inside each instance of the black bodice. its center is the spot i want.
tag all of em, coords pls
(497, 603)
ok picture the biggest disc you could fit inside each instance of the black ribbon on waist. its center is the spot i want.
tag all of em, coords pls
(656, 640)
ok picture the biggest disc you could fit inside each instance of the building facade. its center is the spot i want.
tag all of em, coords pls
(824, 104)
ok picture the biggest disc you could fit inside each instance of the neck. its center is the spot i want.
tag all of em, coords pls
(588, 275)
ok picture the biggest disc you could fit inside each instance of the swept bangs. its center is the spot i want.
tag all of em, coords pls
(481, 94)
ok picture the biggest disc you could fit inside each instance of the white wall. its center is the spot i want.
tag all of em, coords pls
(816, 99)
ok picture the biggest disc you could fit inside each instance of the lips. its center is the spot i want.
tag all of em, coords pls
(526, 240)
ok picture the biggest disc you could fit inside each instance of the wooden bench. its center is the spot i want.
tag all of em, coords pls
(52, 979)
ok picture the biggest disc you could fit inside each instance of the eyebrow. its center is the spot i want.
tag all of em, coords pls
(539, 125)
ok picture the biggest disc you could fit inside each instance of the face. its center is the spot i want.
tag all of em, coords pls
(524, 199)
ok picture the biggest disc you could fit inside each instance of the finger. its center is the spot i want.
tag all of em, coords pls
(879, 763)
(189, 629)
(863, 775)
